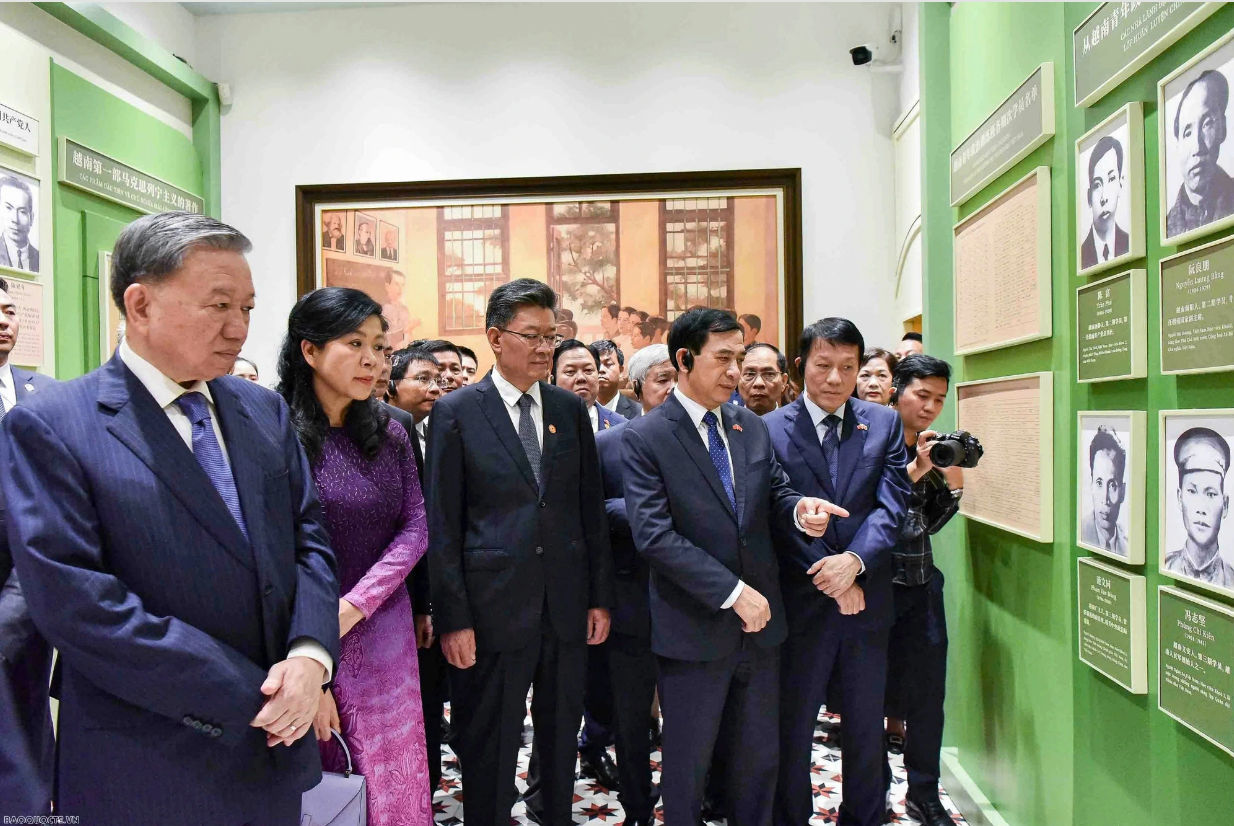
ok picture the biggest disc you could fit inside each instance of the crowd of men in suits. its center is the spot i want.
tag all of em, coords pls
(602, 531)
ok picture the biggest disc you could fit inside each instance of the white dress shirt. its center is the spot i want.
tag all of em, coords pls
(421, 429)
(511, 394)
(8, 387)
(595, 418)
(817, 416)
(165, 392)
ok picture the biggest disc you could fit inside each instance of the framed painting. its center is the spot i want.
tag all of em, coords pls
(626, 254)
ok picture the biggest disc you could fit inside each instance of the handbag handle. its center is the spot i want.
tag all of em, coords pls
(338, 735)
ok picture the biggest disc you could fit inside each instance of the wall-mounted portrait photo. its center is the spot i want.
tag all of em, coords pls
(334, 231)
(1197, 536)
(1110, 191)
(366, 236)
(389, 241)
(1197, 161)
(1110, 496)
(19, 217)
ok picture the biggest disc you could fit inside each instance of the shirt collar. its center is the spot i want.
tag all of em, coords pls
(817, 414)
(594, 413)
(511, 394)
(696, 410)
(164, 390)
(6, 376)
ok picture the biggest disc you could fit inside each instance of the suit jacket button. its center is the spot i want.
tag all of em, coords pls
(269, 590)
(197, 725)
(216, 732)
(743, 542)
(539, 550)
(542, 504)
(188, 721)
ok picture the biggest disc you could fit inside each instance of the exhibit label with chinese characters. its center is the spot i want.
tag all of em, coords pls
(1197, 309)
(100, 175)
(1117, 39)
(1023, 122)
(1195, 649)
(18, 131)
(1111, 334)
(1112, 637)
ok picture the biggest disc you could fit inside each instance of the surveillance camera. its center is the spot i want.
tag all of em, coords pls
(865, 54)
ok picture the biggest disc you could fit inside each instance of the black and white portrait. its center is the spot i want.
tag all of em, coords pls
(1197, 535)
(19, 212)
(1109, 173)
(1197, 162)
(1106, 471)
(333, 229)
(366, 236)
(389, 241)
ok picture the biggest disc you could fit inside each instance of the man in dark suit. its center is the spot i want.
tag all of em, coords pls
(837, 589)
(632, 666)
(414, 390)
(26, 760)
(612, 361)
(522, 575)
(703, 489)
(168, 537)
(1105, 240)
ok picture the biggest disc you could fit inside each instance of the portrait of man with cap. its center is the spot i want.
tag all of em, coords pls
(1202, 457)
(1107, 465)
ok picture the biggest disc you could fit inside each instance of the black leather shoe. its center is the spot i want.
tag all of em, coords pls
(833, 734)
(600, 768)
(927, 810)
(533, 817)
(895, 743)
(713, 810)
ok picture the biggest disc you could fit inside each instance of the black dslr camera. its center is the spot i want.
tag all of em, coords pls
(959, 449)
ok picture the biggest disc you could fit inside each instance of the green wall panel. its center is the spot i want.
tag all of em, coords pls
(1047, 739)
(86, 224)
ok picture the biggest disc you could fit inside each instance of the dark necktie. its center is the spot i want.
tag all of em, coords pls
(4, 410)
(1105, 252)
(719, 456)
(527, 434)
(210, 454)
(831, 446)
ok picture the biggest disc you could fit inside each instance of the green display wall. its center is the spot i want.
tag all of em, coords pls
(1048, 740)
(86, 224)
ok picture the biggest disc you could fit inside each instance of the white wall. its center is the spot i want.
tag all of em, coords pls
(168, 24)
(440, 91)
(907, 138)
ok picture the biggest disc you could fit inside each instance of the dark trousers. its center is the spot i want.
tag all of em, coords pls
(597, 704)
(743, 690)
(809, 660)
(633, 686)
(433, 693)
(27, 750)
(917, 675)
(488, 705)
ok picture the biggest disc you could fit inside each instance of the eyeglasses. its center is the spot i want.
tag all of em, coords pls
(533, 339)
(425, 379)
(767, 376)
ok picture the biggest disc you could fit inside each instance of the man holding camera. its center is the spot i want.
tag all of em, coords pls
(917, 650)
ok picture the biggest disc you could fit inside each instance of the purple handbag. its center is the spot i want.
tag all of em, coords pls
(339, 799)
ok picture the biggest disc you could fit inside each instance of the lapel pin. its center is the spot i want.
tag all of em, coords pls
(607, 424)
(29, 388)
(737, 427)
(862, 427)
(552, 428)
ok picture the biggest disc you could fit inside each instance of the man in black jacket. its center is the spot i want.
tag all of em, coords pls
(519, 559)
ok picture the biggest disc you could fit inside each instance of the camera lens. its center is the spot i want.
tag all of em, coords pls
(946, 452)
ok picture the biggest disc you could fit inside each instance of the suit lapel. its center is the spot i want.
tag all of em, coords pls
(737, 451)
(804, 436)
(20, 379)
(553, 414)
(689, 437)
(139, 424)
(245, 452)
(495, 409)
(852, 445)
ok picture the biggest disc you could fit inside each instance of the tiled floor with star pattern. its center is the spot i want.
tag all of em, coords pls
(596, 806)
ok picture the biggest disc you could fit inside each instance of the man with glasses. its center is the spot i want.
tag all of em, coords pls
(764, 375)
(522, 575)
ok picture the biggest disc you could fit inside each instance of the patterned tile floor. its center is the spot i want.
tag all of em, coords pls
(594, 805)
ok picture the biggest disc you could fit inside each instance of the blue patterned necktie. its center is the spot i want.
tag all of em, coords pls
(527, 434)
(210, 455)
(719, 456)
(831, 446)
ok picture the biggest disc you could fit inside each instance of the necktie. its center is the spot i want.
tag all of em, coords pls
(210, 455)
(831, 446)
(1105, 252)
(527, 434)
(21, 260)
(4, 410)
(719, 456)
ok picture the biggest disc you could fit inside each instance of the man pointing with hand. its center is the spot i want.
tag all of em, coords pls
(703, 488)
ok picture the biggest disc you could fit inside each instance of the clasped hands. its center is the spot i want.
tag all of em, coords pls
(836, 577)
